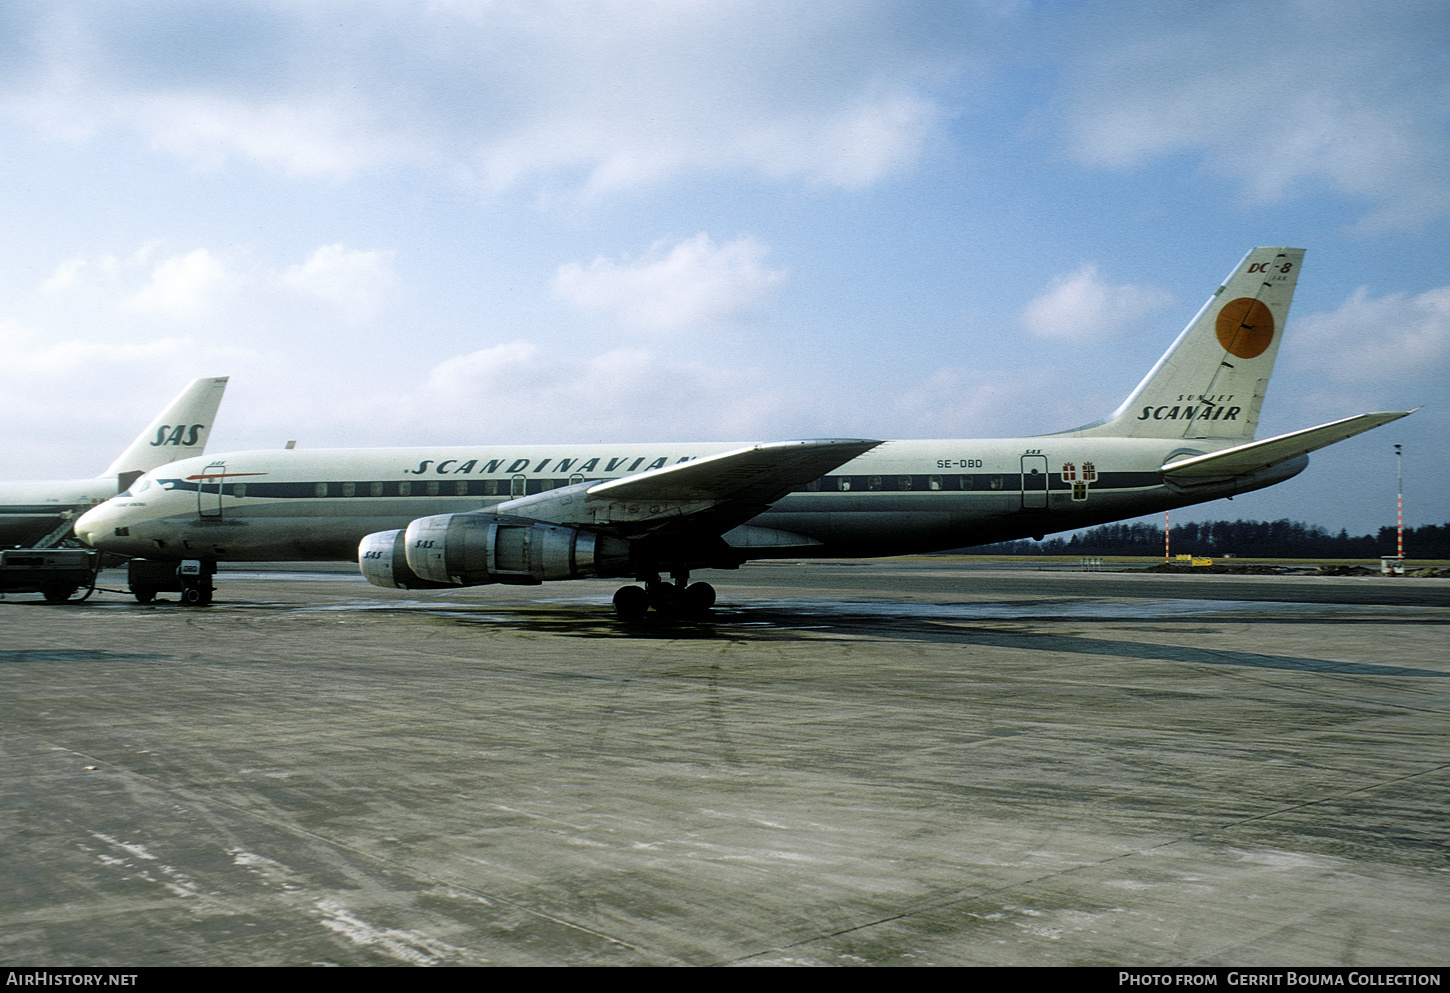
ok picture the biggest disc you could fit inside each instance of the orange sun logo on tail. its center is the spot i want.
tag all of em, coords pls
(1245, 327)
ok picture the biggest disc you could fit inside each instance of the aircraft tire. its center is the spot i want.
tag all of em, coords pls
(631, 603)
(698, 598)
(664, 597)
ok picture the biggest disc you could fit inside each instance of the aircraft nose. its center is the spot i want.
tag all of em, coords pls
(92, 526)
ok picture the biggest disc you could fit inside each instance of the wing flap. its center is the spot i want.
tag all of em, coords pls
(715, 492)
(766, 471)
(1244, 459)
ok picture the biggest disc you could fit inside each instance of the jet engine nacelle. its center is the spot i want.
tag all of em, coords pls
(381, 559)
(471, 549)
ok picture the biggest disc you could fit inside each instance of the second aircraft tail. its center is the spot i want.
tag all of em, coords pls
(178, 432)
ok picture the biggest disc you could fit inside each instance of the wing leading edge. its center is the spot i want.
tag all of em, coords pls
(718, 491)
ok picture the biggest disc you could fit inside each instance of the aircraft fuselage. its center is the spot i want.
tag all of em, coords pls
(29, 511)
(901, 497)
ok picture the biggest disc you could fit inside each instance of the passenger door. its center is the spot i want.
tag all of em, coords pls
(209, 490)
(1034, 482)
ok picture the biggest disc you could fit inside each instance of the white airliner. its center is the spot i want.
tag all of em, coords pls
(40, 513)
(440, 517)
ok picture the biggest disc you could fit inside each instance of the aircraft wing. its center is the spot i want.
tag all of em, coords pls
(1243, 459)
(713, 493)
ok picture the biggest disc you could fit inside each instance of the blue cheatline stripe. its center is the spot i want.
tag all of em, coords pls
(981, 482)
(445, 487)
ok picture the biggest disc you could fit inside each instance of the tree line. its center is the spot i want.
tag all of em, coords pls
(1282, 539)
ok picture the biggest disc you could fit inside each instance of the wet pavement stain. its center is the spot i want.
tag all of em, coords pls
(75, 655)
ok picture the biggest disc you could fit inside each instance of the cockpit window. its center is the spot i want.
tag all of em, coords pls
(139, 486)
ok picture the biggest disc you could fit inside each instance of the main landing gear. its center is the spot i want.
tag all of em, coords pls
(681, 598)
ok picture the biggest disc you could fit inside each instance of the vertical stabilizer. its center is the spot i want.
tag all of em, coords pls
(178, 432)
(1211, 383)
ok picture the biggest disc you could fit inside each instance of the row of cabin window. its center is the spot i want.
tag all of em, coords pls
(517, 486)
(522, 486)
(901, 483)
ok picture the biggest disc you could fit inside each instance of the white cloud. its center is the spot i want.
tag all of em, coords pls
(482, 374)
(64, 276)
(980, 402)
(519, 392)
(1081, 307)
(1378, 340)
(185, 287)
(852, 144)
(357, 284)
(590, 94)
(71, 402)
(960, 403)
(311, 135)
(334, 283)
(31, 353)
(1279, 97)
(694, 284)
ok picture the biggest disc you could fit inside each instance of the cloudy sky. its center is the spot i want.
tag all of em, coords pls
(464, 221)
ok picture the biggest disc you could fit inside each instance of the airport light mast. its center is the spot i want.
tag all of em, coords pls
(1399, 505)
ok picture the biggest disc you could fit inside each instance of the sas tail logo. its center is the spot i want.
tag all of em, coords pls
(183, 435)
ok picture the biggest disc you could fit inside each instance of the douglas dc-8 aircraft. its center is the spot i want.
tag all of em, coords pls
(40, 513)
(445, 517)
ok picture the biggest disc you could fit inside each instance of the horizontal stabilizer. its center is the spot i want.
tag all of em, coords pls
(1244, 459)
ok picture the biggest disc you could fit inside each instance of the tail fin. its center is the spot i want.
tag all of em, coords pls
(178, 432)
(1211, 382)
